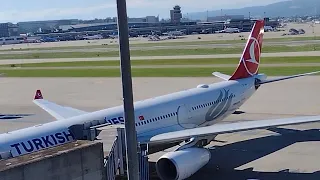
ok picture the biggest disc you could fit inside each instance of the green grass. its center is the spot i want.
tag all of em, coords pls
(149, 72)
(209, 61)
(158, 52)
(297, 38)
(202, 42)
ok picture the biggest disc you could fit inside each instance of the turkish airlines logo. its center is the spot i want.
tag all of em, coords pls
(38, 95)
(251, 57)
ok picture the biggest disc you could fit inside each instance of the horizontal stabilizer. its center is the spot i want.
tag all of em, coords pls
(221, 76)
(287, 77)
(55, 110)
(230, 127)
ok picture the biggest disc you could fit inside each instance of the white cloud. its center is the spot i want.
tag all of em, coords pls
(136, 6)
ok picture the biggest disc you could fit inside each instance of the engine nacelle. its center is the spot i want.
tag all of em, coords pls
(182, 164)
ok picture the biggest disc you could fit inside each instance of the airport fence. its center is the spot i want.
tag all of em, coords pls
(115, 162)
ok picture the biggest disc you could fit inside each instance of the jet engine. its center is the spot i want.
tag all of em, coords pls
(182, 164)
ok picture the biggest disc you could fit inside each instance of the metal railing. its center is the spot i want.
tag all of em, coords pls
(143, 162)
(115, 161)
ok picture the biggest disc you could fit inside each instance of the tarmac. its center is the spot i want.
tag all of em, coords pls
(256, 154)
(280, 54)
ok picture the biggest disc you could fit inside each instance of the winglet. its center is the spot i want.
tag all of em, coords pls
(38, 95)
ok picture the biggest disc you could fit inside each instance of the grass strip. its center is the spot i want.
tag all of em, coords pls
(209, 61)
(159, 52)
(149, 72)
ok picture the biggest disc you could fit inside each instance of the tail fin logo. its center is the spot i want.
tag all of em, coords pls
(249, 62)
(251, 58)
(38, 95)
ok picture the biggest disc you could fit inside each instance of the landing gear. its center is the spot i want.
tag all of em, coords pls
(199, 142)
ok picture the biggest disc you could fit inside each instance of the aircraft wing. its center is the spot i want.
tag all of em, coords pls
(57, 111)
(287, 77)
(229, 128)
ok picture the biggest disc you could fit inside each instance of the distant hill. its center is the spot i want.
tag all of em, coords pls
(282, 9)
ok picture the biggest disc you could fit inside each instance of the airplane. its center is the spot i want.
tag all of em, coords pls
(190, 117)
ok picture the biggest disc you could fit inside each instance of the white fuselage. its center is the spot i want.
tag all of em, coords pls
(196, 107)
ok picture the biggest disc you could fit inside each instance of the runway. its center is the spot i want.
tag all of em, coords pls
(258, 154)
(282, 54)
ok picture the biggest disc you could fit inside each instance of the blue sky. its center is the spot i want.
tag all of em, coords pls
(25, 10)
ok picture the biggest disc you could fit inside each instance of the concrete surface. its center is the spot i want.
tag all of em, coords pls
(281, 54)
(257, 154)
(80, 160)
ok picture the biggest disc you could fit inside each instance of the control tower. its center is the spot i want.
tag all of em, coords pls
(175, 14)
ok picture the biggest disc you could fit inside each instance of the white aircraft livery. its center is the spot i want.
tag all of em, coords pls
(190, 116)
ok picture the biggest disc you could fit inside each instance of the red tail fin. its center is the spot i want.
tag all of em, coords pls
(38, 95)
(250, 59)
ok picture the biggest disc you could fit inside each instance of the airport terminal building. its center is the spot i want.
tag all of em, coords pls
(158, 28)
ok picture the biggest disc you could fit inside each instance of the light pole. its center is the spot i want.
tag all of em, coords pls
(131, 134)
